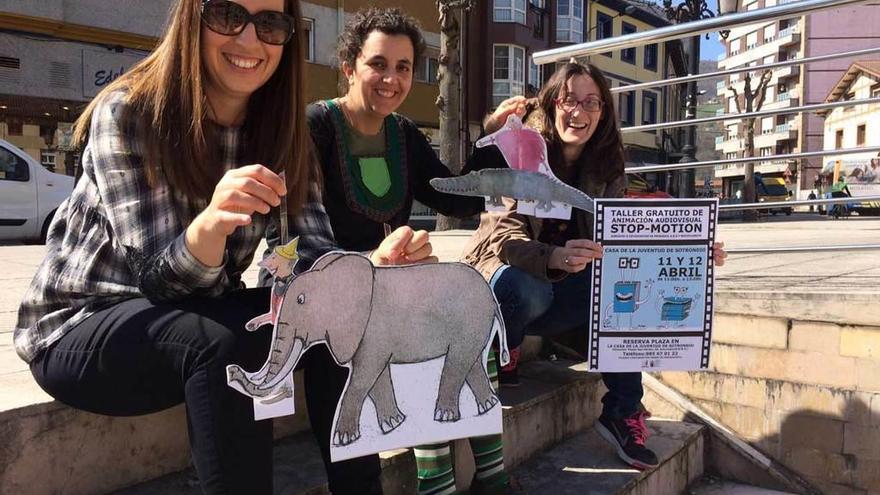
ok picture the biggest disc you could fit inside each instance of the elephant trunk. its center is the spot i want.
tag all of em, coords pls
(283, 357)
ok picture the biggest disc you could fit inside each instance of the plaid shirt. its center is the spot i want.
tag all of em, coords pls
(115, 238)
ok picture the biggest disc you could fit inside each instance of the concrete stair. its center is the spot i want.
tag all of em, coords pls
(712, 486)
(587, 464)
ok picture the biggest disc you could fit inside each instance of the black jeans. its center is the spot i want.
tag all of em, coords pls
(137, 357)
(536, 307)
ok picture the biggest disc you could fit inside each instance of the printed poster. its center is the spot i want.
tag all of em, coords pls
(652, 297)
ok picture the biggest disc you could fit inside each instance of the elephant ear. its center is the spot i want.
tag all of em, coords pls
(325, 260)
(347, 282)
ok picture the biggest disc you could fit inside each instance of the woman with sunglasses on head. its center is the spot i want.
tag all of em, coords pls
(538, 268)
(375, 162)
(138, 305)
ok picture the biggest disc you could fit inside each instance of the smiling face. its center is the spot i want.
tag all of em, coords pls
(577, 126)
(382, 76)
(236, 66)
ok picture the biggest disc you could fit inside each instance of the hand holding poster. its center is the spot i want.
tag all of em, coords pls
(651, 305)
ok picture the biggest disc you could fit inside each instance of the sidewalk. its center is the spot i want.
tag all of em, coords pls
(839, 282)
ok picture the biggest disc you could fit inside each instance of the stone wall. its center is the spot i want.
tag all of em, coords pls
(805, 392)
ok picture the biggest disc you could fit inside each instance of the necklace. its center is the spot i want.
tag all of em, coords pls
(375, 186)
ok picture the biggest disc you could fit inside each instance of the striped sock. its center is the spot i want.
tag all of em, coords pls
(434, 461)
(435, 473)
(488, 450)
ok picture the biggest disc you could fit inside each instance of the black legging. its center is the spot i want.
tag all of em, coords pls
(137, 357)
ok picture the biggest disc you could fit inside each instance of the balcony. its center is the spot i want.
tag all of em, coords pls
(788, 36)
(783, 72)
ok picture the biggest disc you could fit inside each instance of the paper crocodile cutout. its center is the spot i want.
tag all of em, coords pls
(518, 184)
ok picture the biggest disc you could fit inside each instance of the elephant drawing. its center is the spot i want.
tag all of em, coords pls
(372, 317)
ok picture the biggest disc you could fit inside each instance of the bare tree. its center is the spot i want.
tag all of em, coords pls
(449, 102)
(753, 100)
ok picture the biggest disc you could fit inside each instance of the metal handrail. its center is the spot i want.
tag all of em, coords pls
(687, 29)
(740, 70)
(804, 202)
(748, 159)
(739, 116)
(804, 249)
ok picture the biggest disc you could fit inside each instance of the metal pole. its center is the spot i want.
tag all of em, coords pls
(804, 249)
(762, 113)
(740, 70)
(805, 202)
(684, 30)
(731, 161)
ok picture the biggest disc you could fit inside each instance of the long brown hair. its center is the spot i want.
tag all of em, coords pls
(167, 90)
(603, 155)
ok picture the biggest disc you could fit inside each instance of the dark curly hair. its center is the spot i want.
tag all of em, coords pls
(389, 21)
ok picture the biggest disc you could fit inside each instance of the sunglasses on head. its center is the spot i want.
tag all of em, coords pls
(230, 19)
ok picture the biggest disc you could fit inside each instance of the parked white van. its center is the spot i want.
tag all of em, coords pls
(29, 195)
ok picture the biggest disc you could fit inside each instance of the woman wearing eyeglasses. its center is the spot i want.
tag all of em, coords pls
(138, 305)
(538, 267)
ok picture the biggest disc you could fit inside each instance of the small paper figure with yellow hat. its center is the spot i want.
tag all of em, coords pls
(280, 265)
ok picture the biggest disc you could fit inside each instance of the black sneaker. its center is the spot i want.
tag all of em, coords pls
(627, 436)
(507, 375)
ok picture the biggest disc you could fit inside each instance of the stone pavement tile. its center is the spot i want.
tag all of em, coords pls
(9, 361)
(19, 390)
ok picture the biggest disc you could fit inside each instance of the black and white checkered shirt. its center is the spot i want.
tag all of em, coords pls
(115, 238)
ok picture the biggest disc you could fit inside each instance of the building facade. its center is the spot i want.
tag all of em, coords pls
(500, 37)
(56, 55)
(821, 33)
(853, 127)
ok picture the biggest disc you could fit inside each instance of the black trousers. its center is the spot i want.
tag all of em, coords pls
(137, 357)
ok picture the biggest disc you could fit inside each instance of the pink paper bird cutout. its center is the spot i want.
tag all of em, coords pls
(523, 148)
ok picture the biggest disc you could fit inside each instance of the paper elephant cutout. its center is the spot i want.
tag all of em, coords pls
(372, 317)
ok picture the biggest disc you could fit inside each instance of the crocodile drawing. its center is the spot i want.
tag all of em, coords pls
(517, 184)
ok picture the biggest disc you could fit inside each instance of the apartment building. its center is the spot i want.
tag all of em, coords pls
(502, 35)
(852, 127)
(56, 55)
(833, 31)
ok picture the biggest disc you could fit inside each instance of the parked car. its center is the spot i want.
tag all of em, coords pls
(29, 195)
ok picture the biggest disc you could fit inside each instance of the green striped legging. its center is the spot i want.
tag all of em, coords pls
(434, 461)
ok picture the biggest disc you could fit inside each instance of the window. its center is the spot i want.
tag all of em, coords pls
(875, 91)
(766, 151)
(649, 108)
(731, 155)
(536, 76)
(604, 26)
(769, 33)
(309, 26)
(12, 167)
(838, 139)
(508, 72)
(751, 40)
(860, 135)
(47, 159)
(651, 57)
(570, 21)
(538, 4)
(509, 11)
(427, 70)
(768, 125)
(735, 46)
(628, 108)
(628, 55)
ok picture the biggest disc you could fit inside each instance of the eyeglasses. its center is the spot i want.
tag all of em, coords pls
(230, 19)
(589, 104)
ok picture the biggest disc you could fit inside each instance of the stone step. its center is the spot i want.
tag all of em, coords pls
(714, 486)
(555, 401)
(587, 464)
